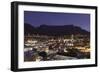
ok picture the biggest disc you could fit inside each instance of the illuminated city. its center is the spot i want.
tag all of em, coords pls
(51, 48)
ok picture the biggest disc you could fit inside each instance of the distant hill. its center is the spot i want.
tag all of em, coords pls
(54, 30)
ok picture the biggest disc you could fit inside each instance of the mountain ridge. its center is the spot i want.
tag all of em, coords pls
(54, 30)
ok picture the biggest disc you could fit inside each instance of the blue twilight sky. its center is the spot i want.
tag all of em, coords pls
(51, 18)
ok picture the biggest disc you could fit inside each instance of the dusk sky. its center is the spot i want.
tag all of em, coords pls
(51, 18)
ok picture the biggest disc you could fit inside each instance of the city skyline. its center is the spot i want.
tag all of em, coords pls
(51, 18)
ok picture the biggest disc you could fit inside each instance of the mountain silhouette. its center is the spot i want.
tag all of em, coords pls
(54, 30)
